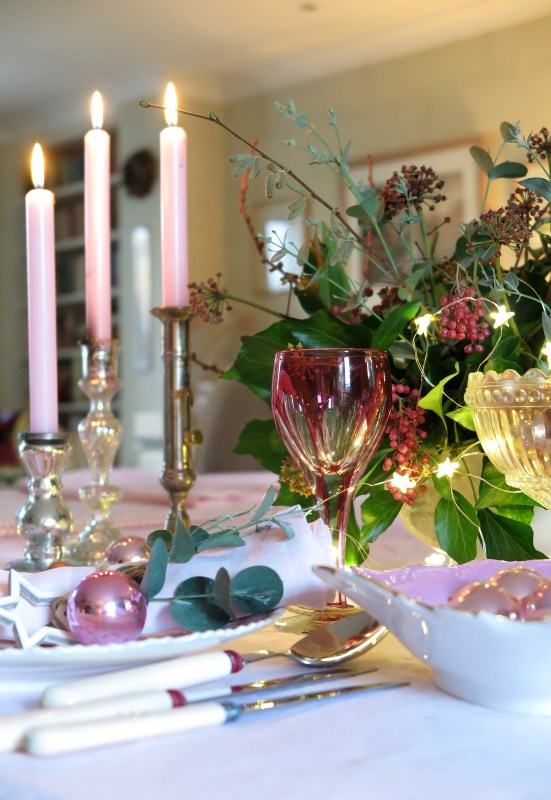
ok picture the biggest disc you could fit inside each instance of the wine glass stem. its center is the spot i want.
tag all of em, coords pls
(334, 493)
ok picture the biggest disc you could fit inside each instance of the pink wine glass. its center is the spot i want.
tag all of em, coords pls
(331, 407)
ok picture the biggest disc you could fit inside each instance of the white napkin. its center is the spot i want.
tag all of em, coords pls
(292, 559)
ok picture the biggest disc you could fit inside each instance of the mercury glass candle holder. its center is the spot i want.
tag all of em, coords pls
(512, 417)
(100, 434)
(178, 474)
(44, 521)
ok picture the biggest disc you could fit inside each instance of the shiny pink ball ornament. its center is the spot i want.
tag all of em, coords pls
(484, 597)
(128, 550)
(537, 605)
(518, 581)
(106, 607)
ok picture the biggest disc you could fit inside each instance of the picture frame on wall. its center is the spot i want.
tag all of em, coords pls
(462, 188)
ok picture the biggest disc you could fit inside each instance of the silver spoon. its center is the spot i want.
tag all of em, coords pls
(338, 641)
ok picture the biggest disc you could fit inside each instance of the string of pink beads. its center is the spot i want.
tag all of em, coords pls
(460, 319)
(404, 432)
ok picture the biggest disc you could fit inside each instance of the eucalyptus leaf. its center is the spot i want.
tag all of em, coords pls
(456, 527)
(165, 536)
(296, 187)
(541, 186)
(508, 169)
(183, 548)
(197, 615)
(285, 526)
(511, 281)
(155, 572)
(226, 538)
(198, 535)
(265, 504)
(256, 589)
(509, 132)
(221, 591)
(296, 208)
(482, 159)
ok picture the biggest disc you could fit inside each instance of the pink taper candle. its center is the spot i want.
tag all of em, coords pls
(97, 225)
(174, 255)
(39, 205)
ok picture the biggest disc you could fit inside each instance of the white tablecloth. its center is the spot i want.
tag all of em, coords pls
(413, 743)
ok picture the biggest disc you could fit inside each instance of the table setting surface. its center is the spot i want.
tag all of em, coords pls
(414, 741)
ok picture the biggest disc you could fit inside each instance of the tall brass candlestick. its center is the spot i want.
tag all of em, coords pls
(178, 474)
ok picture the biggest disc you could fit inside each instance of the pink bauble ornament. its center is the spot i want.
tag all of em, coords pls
(484, 597)
(106, 607)
(518, 581)
(128, 550)
(537, 605)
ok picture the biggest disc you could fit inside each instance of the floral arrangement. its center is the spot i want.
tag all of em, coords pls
(482, 307)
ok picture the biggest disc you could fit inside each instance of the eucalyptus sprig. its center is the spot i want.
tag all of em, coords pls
(200, 603)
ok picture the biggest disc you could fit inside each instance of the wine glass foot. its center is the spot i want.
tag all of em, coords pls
(304, 619)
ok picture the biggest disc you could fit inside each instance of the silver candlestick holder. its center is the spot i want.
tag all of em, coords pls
(45, 521)
(100, 434)
(178, 474)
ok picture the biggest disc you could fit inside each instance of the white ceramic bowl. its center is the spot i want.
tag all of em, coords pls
(481, 657)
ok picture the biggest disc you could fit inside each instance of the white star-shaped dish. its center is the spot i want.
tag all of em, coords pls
(19, 587)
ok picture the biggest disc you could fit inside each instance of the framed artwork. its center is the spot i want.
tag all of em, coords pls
(462, 188)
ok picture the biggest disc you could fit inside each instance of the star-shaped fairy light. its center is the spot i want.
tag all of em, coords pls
(546, 351)
(402, 482)
(446, 468)
(423, 324)
(501, 316)
(19, 587)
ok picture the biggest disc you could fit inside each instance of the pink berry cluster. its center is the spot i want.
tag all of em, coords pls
(404, 433)
(462, 319)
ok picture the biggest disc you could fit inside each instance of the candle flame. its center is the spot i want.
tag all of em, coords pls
(171, 104)
(97, 110)
(37, 167)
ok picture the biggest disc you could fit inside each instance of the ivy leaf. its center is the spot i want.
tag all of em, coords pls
(256, 589)
(546, 325)
(508, 169)
(541, 186)
(378, 512)
(443, 487)
(432, 401)
(456, 526)
(221, 591)
(464, 417)
(183, 548)
(155, 572)
(520, 513)
(507, 539)
(482, 158)
(495, 491)
(265, 504)
(393, 325)
(260, 439)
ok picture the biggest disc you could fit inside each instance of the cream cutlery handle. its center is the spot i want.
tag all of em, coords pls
(13, 727)
(51, 740)
(181, 672)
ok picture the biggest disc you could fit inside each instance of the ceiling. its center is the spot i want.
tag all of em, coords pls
(54, 53)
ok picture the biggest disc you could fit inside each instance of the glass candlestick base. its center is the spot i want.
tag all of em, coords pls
(45, 521)
(100, 434)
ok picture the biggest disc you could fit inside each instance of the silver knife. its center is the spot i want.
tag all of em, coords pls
(14, 726)
(64, 738)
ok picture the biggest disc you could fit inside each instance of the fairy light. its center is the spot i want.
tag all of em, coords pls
(402, 482)
(501, 316)
(546, 351)
(447, 468)
(423, 324)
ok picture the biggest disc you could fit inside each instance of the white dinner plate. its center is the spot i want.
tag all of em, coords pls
(59, 661)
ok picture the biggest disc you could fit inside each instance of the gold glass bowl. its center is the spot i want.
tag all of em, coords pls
(512, 416)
